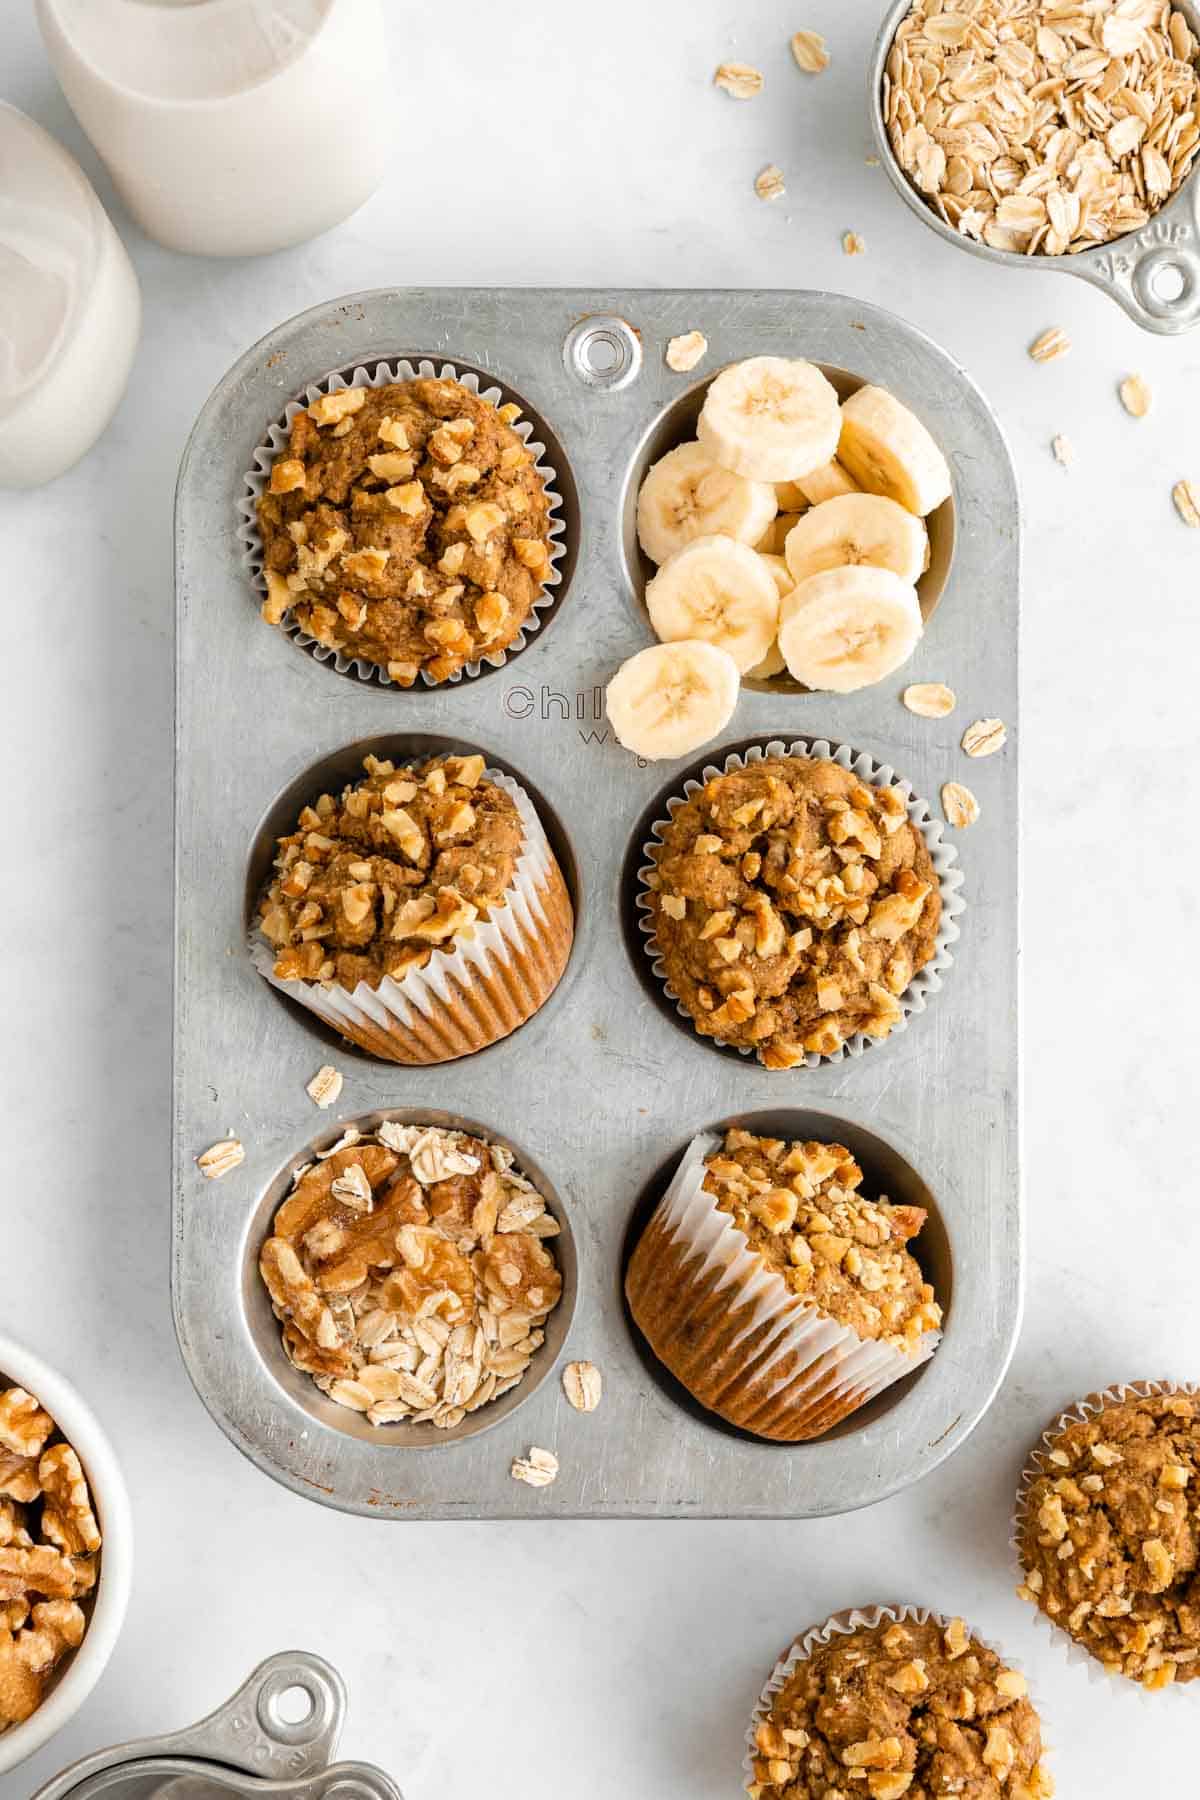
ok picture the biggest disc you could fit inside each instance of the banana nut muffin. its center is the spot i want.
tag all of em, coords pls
(406, 525)
(792, 905)
(371, 883)
(49, 1540)
(916, 1709)
(797, 1205)
(1109, 1536)
(407, 1266)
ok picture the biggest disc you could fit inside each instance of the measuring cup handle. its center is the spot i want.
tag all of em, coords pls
(1155, 274)
(250, 1731)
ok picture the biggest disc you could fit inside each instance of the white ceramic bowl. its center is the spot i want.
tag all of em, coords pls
(82, 1668)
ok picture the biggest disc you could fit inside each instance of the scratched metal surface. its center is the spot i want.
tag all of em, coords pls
(604, 1086)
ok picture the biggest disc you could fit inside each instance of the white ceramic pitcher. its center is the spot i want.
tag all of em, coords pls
(230, 127)
(70, 309)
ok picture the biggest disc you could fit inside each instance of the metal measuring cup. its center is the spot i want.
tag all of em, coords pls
(1153, 274)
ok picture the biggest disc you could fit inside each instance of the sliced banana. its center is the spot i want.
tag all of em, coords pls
(784, 579)
(718, 590)
(775, 536)
(686, 495)
(857, 528)
(668, 700)
(773, 663)
(827, 483)
(771, 418)
(791, 497)
(888, 451)
(845, 628)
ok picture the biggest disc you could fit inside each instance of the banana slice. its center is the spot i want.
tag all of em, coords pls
(686, 495)
(857, 528)
(770, 418)
(846, 628)
(718, 590)
(826, 483)
(791, 497)
(670, 699)
(784, 579)
(775, 536)
(773, 663)
(888, 451)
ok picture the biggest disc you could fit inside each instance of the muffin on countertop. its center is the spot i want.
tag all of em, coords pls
(912, 1708)
(405, 525)
(792, 905)
(1109, 1535)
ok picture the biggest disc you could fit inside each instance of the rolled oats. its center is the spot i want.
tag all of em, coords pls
(1064, 450)
(220, 1158)
(808, 48)
(583, 1385)
(959, 804)
(739, 80)
(984, 737)
(768, 183)
(1136, 397)
(537, 1469)
(49, 1540)
(1186, 496)
(852, 244)
(683, 353)
(408, 1271)
(325, 1086)
(1043, 128)
(929, 699)
(1050, 345)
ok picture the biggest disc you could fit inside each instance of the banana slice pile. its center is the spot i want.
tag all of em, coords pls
(789, 534)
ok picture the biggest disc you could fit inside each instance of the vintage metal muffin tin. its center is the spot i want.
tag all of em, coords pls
(602, 1089)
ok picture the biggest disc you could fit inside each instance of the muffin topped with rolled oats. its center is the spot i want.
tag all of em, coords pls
(1109, 1535)
(916, 1708)
(405, 525)
(792, 904)
(409, 1269)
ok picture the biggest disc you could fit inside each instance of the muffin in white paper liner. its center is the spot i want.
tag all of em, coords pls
(256, 478)
(731, 1330)
(1088, 1408)
(926, 982)
(471, 995)
(842, 1624)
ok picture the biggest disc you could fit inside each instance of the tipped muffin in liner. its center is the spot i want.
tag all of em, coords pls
(546, 577)
(771, 1313)
(1115, 1484)
(748, 1001)
(472, 955)
(883, 1701)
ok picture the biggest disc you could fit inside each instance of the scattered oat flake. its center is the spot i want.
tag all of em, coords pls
(959, 804)
(929, 699)
(325, 1085)
(583, 1385)
(808, 48)
(1186, 496)
(1051, 345)
(1136, 397)
(768, 183)
(683, 353)
(852, 244)
(218, 1159)
(984, 737)
(538, 1469)
(1064, 450)
(739, 80)
(872, 162)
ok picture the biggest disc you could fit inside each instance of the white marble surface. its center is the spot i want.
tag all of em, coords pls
(564, 145)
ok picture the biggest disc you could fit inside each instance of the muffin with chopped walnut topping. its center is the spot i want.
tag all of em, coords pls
(891, 1702)
(1108, 1531)
(781, 1297)
(407, 526)
(790, 905)
(421, 913)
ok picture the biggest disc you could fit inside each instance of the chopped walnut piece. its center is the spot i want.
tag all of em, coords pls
(330, 409)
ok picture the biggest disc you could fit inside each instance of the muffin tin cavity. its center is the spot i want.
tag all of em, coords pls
(344, 767)
(887, 1172)
(552, 465)
(304, 1401)
(636, 926)
(676, 424)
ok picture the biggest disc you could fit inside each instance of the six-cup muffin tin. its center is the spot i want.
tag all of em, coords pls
(602, 1089)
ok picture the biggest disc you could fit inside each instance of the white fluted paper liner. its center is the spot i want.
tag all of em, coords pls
(256, 478)
(425, 996)
(927, 981)
(820, 1363)
(841, 1625)
(1079, 1414)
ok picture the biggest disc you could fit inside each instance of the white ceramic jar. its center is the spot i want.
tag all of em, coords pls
(70, 308)
(230, 127)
